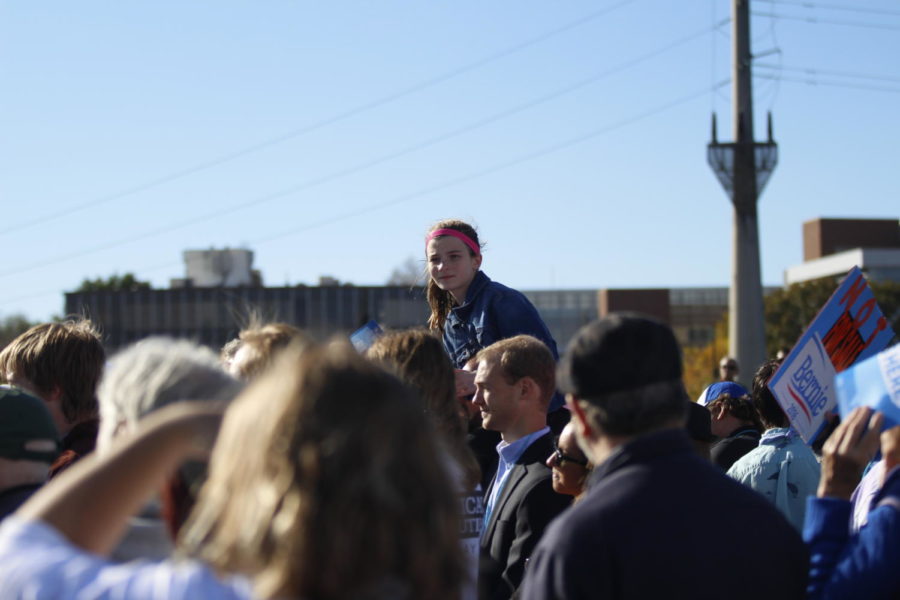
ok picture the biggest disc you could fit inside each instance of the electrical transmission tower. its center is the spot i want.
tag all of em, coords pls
(743, 167)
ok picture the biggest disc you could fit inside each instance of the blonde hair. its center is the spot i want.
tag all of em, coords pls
(441, 301)
(326, 483)
(262, 343)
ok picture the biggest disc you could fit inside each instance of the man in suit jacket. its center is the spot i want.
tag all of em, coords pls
(514, 383)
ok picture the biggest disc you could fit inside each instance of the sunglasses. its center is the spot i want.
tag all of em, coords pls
(560, 457)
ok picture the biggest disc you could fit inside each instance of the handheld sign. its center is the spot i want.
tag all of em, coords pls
(363, 338)
(849, 328)
(875, 383)
(803, 386)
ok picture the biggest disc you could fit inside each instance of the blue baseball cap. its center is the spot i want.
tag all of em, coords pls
(735, 390)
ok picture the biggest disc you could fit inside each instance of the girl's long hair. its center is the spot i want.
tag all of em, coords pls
(325, 483)
(417, 357)
(440, 301)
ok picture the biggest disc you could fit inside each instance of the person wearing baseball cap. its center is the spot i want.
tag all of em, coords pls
(29, 444)
(60, 363)
(657, 520)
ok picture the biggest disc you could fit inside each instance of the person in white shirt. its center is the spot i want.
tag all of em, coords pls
(319, 472)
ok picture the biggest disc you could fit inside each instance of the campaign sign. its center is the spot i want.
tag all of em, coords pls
(363, 338)
(849, 328)
(806, 389)
(874, 383)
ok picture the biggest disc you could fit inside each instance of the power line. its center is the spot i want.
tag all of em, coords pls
(496, 168)
(717, 28)
(770, 91)
(712, 58)
(812, 71)
(817, 21)
(9, 301)
(773, 29)
(514, 162)
(360, 167)
(336, 118)
(843, 7)
(812, 81)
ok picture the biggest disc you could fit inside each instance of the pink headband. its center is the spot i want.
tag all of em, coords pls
(458, 235)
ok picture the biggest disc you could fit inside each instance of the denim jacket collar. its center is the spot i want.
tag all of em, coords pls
(464, 330)
(478, 283)
(474, 297)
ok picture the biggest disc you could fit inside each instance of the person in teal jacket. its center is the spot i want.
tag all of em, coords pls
(782, 468)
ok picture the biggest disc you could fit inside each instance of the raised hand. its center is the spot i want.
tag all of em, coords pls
(848, 451)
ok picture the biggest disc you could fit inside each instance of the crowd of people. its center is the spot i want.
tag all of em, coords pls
(466, 460)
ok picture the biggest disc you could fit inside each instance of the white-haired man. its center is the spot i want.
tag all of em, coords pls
(140, 379)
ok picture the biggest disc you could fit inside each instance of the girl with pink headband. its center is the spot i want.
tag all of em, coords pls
(471, 311)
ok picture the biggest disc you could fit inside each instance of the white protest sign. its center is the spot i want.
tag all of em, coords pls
(805, 387)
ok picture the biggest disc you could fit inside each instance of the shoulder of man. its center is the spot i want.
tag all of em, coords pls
(569, 559)
(536, 485)
(538, 451)
(751, 464)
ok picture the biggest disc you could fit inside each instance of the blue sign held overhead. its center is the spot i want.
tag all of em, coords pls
(849, 328)
(874, 383)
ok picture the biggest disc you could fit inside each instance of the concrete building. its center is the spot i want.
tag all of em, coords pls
(221, 290)
(214, 315)
(214, 301)
(564, 311)
(218, 268)
(831, 247)
(692, 312)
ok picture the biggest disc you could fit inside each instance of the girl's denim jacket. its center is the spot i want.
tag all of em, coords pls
(491, 312)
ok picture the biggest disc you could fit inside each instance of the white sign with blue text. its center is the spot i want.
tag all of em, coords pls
(805, 389)
(849, 328)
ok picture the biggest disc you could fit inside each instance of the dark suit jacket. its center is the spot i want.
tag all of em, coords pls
(526, 504)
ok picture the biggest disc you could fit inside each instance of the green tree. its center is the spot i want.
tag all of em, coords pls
(409, 273)
(11, 326)
(701, 363)
(115, 283)
(887, 293)
(789, 311)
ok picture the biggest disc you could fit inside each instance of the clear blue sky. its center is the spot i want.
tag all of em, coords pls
(572, 133)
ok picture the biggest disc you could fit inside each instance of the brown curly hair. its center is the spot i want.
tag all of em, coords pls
(741, 408)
